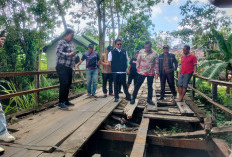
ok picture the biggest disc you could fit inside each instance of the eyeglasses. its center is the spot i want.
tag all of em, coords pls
(119, 44)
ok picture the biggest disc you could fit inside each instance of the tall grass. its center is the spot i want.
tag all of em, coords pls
(17, 103)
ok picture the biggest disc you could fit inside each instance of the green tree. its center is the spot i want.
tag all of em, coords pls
(136, 32)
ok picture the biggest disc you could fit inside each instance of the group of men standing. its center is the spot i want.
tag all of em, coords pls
(146, 63)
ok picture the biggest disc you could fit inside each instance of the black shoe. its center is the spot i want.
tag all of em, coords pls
(161, 98)
(62, 106)
(120, 92)
(128, 98)
(116, 100)
(150, 102)
(132, 101)
(68, 103)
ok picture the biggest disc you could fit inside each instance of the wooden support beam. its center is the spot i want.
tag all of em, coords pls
(154, 140)
(140, 140)
(194, 134)
(199, 113)
(172, 118)
(220, 148)
(222, 130)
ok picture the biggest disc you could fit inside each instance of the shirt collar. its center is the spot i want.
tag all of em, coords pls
(118, 49)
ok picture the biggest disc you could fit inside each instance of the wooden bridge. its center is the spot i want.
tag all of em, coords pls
(49, 132)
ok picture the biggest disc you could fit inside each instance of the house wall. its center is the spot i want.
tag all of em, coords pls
(51, 57)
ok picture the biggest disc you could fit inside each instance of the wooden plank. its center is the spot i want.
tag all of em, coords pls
(20, 152)
(140, 140)
(194, 134)
(165, 103)
(117, 111)
(73, 143)
(221, 149)
(54, 154)
(184, 109)
(199, 113)
(174, 110)
(172, 118)
(58, 126)
(129, 109)
(154, 140)
(222, 130)
(71, 125)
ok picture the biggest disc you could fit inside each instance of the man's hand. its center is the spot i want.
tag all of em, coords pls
(71, 54)
(2, 40)
(194, 73)
(156, 76)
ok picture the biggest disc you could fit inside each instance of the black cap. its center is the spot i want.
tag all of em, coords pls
(109, 48)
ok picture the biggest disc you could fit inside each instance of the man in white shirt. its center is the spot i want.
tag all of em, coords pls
(118, 58)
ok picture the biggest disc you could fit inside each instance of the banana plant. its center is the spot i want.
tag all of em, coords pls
(218, 61)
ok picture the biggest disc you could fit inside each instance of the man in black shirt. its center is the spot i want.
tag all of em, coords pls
(132, 71)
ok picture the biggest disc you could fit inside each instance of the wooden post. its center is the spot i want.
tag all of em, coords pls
(36, 93)
(214, 93)
(194, 86)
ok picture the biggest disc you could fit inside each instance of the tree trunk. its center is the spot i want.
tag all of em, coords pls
(119, 26)
(61, 12)
(227, 88)
(99, 17)
(112, 20)
(104, 26)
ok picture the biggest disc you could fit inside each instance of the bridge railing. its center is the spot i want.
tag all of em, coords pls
(37, 89)
(214, 98)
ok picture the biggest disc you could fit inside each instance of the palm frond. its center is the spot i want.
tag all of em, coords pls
(220, 67)
(222, 44)
(213, 56)
(206, 63)
(208, 70)
(206, 73)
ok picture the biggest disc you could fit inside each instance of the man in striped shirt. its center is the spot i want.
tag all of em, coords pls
(65, 61)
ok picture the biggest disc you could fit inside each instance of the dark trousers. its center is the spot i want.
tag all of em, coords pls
(170, 78)
(65, 78)
(132, 76)
(140, 81)
(105, 77)
(120, 79)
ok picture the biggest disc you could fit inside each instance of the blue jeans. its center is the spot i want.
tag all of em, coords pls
(3, 128)
(91, 76)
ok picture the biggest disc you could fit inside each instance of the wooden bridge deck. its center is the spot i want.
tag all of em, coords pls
(57, 133)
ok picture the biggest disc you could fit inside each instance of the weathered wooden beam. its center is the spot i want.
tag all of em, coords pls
(222, 130)
(129, 109)
(199, 113)
(184, 109)
(220, 148)
(194, 134)
(140, 140)
(154, 140)
(172, 118)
